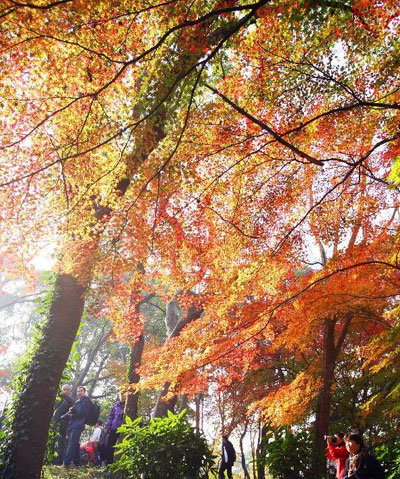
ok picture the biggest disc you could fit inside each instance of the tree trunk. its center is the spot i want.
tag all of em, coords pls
(174, 327)
(93, 382)
(260, 454)
(322, 416)
(171, 320)
(80, 380)
(135, 358)
(197, 400)
(253, 455)
(321, 424)
(34, 407)
(183, 403)
(243, 457)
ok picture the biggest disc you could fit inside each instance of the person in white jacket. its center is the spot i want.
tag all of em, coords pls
(98, 439)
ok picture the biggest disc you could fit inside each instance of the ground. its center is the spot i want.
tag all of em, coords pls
(54, 472)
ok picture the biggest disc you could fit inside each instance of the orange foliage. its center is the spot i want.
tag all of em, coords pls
(249, 168)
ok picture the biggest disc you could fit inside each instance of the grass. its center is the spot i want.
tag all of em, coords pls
(55, 472)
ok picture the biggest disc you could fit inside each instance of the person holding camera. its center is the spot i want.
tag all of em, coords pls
(336, 451)
(360, 464)
(115, 419)
(77, 418)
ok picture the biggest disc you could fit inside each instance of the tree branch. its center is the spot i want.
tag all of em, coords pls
(265, 127)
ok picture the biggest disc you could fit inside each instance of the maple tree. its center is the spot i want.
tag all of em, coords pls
(354, 186)
(217, 144)
(77, 119)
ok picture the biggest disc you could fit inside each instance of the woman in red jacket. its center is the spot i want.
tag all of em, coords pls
(336, 451)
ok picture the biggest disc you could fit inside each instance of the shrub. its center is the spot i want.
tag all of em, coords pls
(389, 456)
(167, 447)
(288, 455)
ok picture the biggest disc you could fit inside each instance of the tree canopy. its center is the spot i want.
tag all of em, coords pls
(235, 157)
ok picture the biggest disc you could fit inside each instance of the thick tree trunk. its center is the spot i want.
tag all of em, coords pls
(323, 409)
(131, 407)
(35, 404)
(321, 424)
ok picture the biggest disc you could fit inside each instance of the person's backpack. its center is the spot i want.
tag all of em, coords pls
(102, 437)
(93, 414)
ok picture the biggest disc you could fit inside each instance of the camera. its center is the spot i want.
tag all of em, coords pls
(67, 415)
(333, 438)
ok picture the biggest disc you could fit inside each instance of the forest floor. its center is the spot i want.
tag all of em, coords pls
(55, 472)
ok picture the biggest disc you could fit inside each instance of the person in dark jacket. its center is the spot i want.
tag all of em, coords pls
(360, 464)
(115, 420)
(228, 458)
(61, 421)
(77, 418)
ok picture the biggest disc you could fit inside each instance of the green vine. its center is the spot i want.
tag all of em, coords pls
(13, 429)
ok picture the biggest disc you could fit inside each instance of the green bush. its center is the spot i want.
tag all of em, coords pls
(167, 447)
(388, 455)
(288, 455)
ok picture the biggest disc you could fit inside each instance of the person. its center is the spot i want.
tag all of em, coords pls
(77, 417)
(337, 451)
(228, 457)
(87, 453)
(360, 464)
(61, 422)
(97, 439)
(115, 419)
